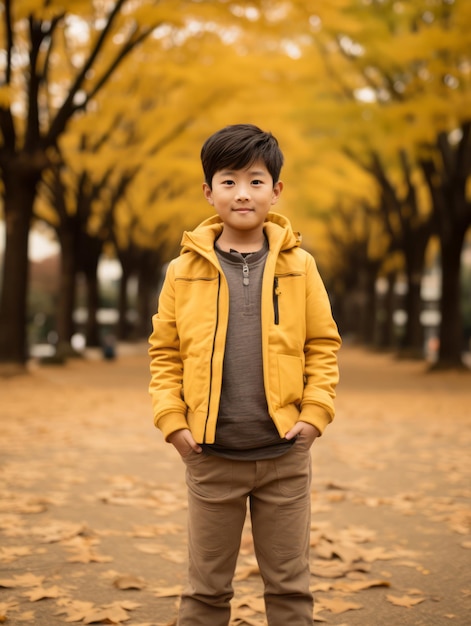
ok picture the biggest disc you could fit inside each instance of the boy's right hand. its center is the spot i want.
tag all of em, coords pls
(183, 442)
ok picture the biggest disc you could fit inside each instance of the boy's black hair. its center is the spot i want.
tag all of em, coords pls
(237, 147)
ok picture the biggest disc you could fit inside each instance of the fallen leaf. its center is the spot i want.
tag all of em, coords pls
(88, 613)
(107, 615)
(256, 604)
(359, 585)
(405, 601)
(26, 616)
(85, 550)
(40, 593)
(154, 530)
(22, 580)
(75, 610)
(169, 592)
(129, 582)
(6, 607)
(242, 573)
(377, 554)
(11, 553)
(58, 531)
(336, 569)
(339, 605)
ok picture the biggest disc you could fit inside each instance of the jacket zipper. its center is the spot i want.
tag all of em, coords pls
(277, 292)
(276, 308)
(212, 358)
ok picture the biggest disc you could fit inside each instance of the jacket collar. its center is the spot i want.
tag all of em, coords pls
(277, 229)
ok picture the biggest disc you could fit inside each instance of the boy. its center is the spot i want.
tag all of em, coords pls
(243, 373)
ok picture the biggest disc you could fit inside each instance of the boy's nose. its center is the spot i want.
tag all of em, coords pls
(242, 194)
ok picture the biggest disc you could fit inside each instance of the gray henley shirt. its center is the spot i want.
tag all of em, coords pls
(244, 428)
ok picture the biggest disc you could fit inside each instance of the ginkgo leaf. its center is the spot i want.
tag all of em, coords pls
(339, 605)
(154, 530)
(129, 582)
(256, 604)
(40, 593)
(7, 607)
(85, 552)
(405, 601)
(74, 610)
(242, 573)
(336, 569)
(26, 616)
(359, 585)
(58, 531)
(22, 580)
(11, 553)
(377, 554)
(108, 615)
(169, 592)
(89, 556)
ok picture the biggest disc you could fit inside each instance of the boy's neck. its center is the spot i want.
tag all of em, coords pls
(242, 242)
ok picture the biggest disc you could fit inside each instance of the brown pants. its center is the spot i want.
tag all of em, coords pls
(278, 491)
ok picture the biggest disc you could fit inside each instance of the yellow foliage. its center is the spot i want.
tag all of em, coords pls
(334, 81)
(5, 96)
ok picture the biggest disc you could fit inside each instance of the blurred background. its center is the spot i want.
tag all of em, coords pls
(104, 106)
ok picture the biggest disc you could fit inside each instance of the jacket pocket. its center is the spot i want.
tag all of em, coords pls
(191, 384)
(291, 379)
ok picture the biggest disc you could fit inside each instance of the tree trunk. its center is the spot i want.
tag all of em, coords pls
(149, 263)
(65, 313)
(122, 330)
(19, 194)
(128, 257)
(415, 246)
(448, 186)
(413, 342)
(367, 281)
(385, 315)
(92, 331)
(143, 306)
(90, 251)
(451, 326)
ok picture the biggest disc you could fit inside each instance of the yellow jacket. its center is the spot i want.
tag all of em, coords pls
(299, 336)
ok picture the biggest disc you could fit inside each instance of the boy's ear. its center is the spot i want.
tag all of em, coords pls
(208, 193)
(277, 189)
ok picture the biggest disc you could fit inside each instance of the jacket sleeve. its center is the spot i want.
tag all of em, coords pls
(320, 350)
(166, 365)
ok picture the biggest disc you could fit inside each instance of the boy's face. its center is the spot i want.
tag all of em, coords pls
(242, 198)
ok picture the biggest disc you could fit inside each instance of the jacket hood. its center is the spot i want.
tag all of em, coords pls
(276, 227)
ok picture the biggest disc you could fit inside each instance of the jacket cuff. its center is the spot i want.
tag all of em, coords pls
(170, 423)
(315, 415)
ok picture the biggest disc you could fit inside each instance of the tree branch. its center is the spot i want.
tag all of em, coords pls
(68, 107)
(6, 119)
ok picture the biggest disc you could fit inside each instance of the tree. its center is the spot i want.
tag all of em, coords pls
(32, 34)
(447, 174)
(59, 59)
(402, 80)
(409, 225)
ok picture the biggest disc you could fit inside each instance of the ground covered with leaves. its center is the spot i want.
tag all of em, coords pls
(93, 505)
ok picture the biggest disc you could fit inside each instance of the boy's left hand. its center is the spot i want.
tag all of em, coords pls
(306, 433)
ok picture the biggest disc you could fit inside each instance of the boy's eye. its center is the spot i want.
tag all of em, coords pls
(228, 182)
(257, 182)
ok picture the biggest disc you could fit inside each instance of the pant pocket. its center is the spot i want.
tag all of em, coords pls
(209, 476)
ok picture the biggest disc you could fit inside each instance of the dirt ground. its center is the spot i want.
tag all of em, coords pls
(93, 514)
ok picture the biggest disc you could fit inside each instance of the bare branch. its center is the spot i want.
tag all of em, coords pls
(7, 126)
(68, 107)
